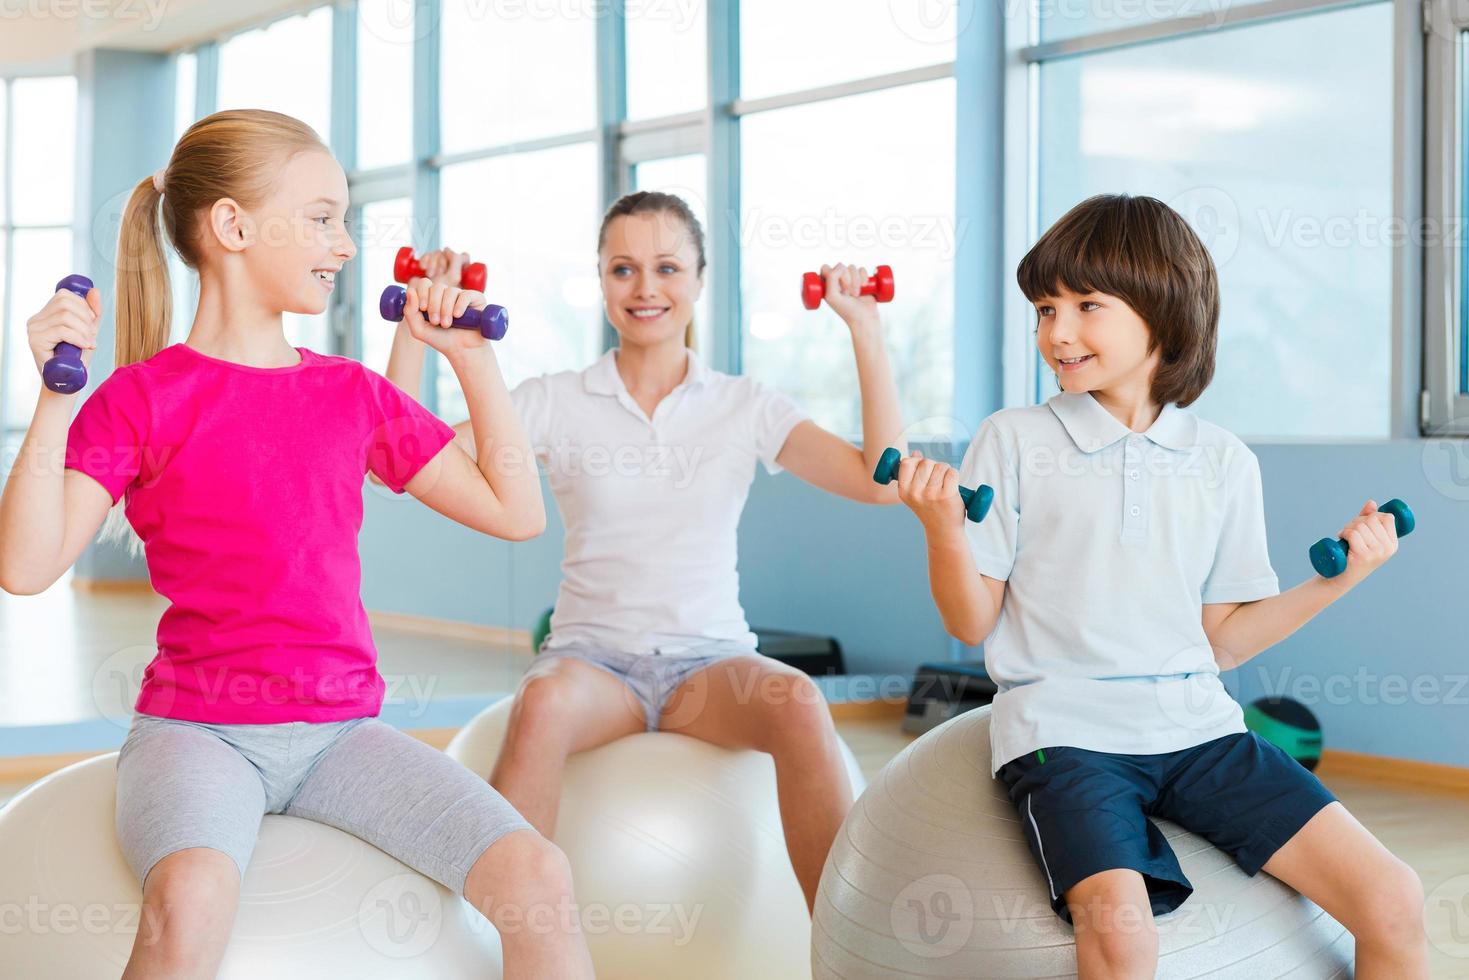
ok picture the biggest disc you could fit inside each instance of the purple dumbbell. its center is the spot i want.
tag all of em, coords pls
(491, 322)
(65, 372)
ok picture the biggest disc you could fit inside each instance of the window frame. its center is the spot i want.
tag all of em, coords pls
(1445, 407)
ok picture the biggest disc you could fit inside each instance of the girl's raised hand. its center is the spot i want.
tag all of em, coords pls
(430, 309)
(65, 319)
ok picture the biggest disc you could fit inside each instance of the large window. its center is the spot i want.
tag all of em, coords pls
(384, 83)
(786, 47)
(515, 72)
(285, 66)
(667, 59)
(1306, 289)
(1275, 140)
(532, 219)
(864, 200)
(862, 94)
(384, 227)
(35, 227)
(529, 212)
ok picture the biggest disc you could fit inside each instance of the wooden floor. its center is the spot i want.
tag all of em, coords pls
(64, 656)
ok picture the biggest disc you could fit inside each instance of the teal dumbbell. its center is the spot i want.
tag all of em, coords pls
(1329, 557)
(976, 502)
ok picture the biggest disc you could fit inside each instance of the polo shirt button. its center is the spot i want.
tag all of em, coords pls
(1132, 474)
(1136, 511)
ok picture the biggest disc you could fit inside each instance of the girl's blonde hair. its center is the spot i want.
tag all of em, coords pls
(236, 154)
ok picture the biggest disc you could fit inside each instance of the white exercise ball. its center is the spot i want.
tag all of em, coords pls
(315, 902)
(930, 876)
(677, 855)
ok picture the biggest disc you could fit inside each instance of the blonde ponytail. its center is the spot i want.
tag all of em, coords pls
(144, 300)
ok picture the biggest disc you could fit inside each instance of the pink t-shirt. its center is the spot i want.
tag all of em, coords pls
(245, 485)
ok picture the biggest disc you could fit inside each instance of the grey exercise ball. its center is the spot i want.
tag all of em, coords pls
(930, 876)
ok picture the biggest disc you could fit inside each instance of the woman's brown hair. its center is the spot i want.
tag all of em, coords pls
(1143, 252)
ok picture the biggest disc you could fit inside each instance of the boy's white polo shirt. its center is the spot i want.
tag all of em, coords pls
(1110, 541)
(651, 505)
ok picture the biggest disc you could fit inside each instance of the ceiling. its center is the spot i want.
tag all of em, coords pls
(38, 36)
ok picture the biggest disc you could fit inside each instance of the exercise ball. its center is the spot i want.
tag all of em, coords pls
(315, 902)
(677, 854)
(1289, 726)
(930, 876)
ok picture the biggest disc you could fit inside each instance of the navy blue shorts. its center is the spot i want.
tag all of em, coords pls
(1086, 812)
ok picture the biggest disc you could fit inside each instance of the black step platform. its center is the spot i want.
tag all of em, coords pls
(943, 690)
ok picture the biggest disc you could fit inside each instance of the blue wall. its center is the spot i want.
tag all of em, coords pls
(809, 561)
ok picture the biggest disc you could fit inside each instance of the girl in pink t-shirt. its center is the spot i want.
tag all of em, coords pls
(239, 461)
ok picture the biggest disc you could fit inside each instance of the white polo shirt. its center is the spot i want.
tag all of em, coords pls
(1110, 541)
(651, 505)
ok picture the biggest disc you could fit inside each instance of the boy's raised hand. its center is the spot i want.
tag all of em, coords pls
(930, 489)
(430, 308)
(1372, 538)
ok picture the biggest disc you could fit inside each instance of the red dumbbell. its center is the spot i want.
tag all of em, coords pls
(813, 287)
(406, 266)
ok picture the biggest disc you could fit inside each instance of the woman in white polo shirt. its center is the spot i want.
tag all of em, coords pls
(650, 456)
